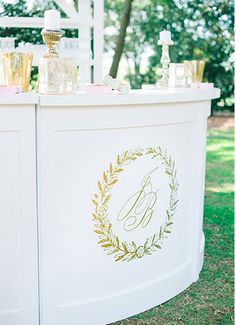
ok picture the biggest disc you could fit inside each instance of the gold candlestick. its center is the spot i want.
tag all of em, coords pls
(51, 38)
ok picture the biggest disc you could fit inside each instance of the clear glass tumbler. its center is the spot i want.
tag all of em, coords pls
(176, 75)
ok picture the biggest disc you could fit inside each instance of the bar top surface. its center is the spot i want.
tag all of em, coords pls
(136, 97)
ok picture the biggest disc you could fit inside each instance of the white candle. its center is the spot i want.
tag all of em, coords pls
(52, 20)
(165, 36)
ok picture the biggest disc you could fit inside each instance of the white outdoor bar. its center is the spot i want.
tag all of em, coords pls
(101, 203)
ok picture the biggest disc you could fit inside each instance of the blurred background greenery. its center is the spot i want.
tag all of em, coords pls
(199, 28)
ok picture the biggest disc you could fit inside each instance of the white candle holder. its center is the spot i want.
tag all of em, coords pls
(165, 61)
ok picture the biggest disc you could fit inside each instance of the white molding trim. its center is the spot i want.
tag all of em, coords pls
(68, 7)
(36, 22)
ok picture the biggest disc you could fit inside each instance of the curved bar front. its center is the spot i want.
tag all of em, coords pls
(121, 189)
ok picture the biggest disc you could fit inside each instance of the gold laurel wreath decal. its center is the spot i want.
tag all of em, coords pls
(111, 243)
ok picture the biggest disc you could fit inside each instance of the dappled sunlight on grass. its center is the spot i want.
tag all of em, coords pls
(219, 146)
(220, 165)
(225, 188)
(223, 158)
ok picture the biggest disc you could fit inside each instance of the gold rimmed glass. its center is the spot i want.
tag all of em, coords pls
(17, 69)
(194, 70)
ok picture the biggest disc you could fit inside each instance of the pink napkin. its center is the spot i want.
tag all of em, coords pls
(98, 89)
(10, 89)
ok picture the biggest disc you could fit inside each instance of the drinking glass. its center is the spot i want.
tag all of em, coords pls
(176, 75)
(194, 70)
(17, 68)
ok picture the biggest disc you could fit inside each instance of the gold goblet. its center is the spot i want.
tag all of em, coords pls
(51, 38)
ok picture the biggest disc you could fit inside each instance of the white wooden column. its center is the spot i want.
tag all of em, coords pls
(18, 216)
(98, 40)
(84, 42)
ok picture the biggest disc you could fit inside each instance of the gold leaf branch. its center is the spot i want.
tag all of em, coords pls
(111, 243)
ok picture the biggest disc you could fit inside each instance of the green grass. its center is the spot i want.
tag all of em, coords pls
(210, 299)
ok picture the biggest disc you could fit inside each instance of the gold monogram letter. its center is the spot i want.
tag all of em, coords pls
(138, 209)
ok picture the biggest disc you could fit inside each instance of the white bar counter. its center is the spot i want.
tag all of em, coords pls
(136, 97)
(101, 203)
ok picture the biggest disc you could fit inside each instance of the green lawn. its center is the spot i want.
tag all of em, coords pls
(210, 299)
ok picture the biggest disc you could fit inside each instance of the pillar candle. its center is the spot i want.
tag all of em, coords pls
(165, 36)
(52, 20)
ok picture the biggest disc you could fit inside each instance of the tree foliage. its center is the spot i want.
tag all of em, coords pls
(200, 29)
